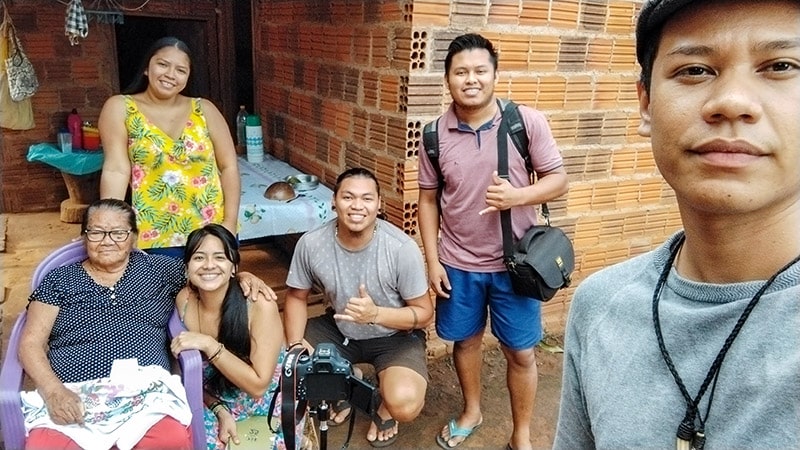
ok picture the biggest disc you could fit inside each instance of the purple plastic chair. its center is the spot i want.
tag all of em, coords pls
(11, 377)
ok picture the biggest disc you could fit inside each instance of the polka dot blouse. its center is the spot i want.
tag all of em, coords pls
(97, 324)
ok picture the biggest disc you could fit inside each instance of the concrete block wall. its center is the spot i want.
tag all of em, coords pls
(346, 83)
(574, 60)
(331, 82)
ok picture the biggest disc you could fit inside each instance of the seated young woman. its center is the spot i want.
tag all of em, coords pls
(242, 341)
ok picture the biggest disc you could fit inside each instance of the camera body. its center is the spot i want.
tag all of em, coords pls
(327, 376)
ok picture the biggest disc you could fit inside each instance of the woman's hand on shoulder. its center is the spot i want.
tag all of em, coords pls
(254, 288)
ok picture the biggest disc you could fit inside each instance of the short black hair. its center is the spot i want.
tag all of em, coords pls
(653, 16)
(356, 172)
(469, 41)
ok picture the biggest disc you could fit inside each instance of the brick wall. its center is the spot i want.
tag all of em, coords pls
(69, 77)
(346, 83)
(341, 83)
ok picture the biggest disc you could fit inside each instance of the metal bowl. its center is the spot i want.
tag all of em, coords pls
(303, 182)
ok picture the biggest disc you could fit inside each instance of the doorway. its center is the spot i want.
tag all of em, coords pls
(219, 35)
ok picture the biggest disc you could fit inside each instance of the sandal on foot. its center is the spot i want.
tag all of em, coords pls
(338, 407)
(456, 431)
(383, 425)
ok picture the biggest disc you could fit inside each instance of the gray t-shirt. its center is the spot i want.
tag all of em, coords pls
(617, 392)
(390, 267)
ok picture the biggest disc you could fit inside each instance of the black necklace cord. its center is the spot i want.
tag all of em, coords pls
(686, 428)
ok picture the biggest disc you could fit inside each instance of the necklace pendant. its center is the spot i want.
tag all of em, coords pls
(682, 444)
(699, 441)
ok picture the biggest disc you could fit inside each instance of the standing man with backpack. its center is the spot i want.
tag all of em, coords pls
(459, 214)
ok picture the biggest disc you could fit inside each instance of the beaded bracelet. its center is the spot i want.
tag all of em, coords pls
(217, 405)
(218, 353)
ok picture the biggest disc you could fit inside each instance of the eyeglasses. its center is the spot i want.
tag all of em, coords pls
(99, 235)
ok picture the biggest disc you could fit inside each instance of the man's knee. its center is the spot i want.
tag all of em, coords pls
(404, 408)
(524, 359)
(403, 397)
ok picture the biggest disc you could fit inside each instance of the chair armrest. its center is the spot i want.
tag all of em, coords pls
(192, 374)
(13, 428)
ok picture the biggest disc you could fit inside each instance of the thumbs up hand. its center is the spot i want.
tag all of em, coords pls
(500, 195)
(359, 309)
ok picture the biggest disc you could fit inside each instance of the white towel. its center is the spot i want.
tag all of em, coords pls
(119, 409)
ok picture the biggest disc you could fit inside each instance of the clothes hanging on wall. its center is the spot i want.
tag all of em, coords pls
(14, 115)
(75, 24)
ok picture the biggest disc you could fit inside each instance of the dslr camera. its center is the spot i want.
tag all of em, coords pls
(326, 376)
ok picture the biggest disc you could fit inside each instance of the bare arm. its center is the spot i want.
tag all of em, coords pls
(116, 165)
(266, 339)
(225, 154)
(429, 231)
(63, 405)
(295, 314)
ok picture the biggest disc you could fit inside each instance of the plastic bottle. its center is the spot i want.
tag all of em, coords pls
(75, 126)
(254, 138)
(241, 123)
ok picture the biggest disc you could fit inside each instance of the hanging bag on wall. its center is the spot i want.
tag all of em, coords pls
(22, 81)
(542, 261)
(14, 115)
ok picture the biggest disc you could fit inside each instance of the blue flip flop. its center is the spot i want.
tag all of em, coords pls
(456, 431)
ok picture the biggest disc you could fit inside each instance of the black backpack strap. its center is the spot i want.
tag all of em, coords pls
(516, 130)
(502, 172)
(430, 140)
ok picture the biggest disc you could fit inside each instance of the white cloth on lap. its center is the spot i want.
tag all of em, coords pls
(119, 409)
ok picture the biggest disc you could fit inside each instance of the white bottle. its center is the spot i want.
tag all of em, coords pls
(254, 138)
(241, 123)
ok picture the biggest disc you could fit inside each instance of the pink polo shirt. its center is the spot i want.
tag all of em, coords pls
(469, 241)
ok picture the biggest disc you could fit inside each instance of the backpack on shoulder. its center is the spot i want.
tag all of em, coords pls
(542, 261)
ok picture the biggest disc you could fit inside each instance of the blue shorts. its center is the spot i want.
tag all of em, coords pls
(516, 320)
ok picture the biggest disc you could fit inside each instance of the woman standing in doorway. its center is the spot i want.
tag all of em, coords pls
(176, 152)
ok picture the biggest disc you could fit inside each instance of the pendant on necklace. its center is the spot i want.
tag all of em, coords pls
(698, 441)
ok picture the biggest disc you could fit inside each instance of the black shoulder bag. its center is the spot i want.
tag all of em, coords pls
(542, 261)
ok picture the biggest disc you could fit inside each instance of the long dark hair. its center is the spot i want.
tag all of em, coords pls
(233, 331)
(140, 81)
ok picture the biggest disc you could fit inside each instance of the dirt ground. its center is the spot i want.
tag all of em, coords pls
(443, 401)
(29, 237)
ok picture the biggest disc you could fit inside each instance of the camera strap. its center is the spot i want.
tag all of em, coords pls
(290, 414)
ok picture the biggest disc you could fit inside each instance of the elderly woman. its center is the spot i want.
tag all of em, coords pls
(86, 321)
(243, 341)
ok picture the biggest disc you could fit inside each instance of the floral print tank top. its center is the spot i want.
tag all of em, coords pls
(175, 184)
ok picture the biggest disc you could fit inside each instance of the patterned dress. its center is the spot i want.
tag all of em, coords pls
(175, 184)
(242, 406)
